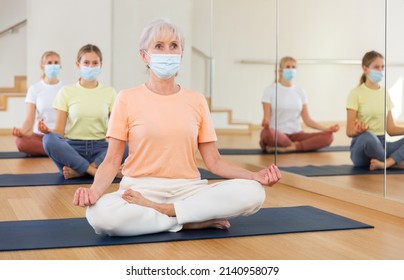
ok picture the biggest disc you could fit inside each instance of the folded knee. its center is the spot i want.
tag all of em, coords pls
(329, 138)
(101, 221)
(20, 143)
(253, 193)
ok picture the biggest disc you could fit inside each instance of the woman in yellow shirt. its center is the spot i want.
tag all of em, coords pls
(85, 107)
(365, 119)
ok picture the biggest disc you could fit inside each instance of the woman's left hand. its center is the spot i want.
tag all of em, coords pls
(334, 128)
(42, 127)
(268, 176)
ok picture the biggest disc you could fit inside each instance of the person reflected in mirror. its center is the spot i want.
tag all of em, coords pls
(367, 116)
(166, 125)
(39, 100)
(85, 107)
(291, 104)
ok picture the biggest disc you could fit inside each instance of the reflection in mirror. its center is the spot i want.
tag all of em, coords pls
(394, 84)
(328, 49)
(284, 104)
(241, 29)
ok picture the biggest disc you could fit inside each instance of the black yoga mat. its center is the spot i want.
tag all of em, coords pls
(7, 155)
(226, 151)
(76, 232)
(54, 179)
(335, 170)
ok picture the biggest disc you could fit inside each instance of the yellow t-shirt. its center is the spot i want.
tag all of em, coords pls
(163, 132)
(87, 110)
(369, 104)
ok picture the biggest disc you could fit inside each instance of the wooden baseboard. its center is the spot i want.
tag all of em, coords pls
(5, 131)
(368, 200)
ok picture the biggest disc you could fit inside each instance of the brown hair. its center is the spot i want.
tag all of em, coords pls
(367, 59)
(44, 56)
(88, 49)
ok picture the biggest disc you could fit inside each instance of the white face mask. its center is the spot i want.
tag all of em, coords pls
(164, 65)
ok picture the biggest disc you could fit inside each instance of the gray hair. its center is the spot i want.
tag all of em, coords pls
(157, 27)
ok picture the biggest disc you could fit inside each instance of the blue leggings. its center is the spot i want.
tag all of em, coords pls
(368, 146)
(76, 154)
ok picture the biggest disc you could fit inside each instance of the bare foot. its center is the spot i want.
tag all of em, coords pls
(135, 197)
(291, 148)
(70, 173)
(282, 150)
(270, 149)
(400, 165)
(218, 223)
(287, 149)
(377, 164)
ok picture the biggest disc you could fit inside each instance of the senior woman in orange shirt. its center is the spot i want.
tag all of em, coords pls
(165, 125)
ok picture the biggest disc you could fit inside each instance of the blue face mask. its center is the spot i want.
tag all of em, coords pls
(52, 70)
(376, 76)
(289, 73)
(165, 65)
(89, 73)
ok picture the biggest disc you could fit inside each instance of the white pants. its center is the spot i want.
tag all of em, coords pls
(194, 201)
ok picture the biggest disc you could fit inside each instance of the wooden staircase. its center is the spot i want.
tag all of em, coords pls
(19, 90)
(231, 125)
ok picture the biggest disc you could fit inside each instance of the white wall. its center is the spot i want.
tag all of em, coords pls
(12, 45)
(15, 114)
(12, 12)
(395, 56)
(129, 19)
(65, 26)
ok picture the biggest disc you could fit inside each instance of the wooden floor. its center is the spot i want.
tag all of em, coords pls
(384, 242)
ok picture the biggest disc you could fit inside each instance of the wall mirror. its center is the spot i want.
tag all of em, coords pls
(328, 39)
(394, 83)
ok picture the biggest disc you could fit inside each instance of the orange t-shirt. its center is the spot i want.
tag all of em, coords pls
(163, 132)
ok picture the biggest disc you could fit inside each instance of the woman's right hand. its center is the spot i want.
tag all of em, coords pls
(360, 127)
(84, 197)
(42, 127)
(265, 123)
(17, 132)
